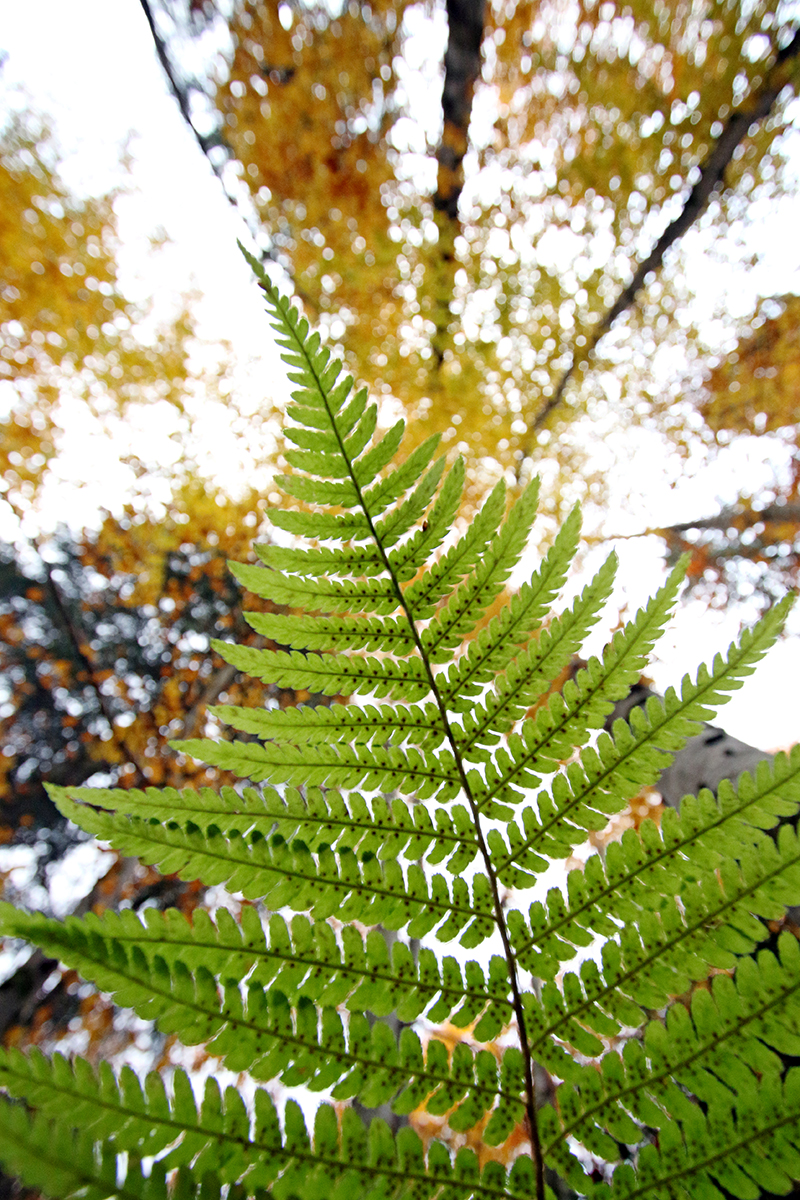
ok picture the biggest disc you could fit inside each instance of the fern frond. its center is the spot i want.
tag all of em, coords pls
(365, 802)
(405, 560)
(371, 768)
(352, 527)
(333, 595)
(217, 1134)
(727, 1039)
(304, 959)
(643, 870)
(398, 521)
(321, 819)
(330, 674)
(469, 601)
(143, 1120)
(744, 1144)
(389, 634)
(441, 577)
(588, 792)
(389, 489)
(63, 1164)
(709, 924)
(319, 491)
(419, 725)
(583, 704)
(530, 674)
(299, 1044)
(494, 647)
(319, 562)
(377, 892)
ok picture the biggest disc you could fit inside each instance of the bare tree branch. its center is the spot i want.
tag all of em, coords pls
(182, 94)
(207, 143)
(735, 517)
(712, 173)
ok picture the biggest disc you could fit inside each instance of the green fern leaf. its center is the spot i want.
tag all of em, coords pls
(723, 1043)
(407, 770)
(389, 489)
(375, 891)
(405, 560)
(320, 819)
(346, 633)
(330, 674)
(304, 959)
(494, 647)
(300, 1044)
(327, 526)
(219, 1132)
(334, 595)
(471, 599)
(62, 1163)
(442, 576)
(442, 766)
(602, 783)
(421, 725)
(343, 560)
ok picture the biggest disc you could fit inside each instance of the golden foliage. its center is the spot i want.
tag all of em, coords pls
(66, 328)
(756, 389)
(601, 113)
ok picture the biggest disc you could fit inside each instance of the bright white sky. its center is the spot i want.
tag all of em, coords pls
(90, 65)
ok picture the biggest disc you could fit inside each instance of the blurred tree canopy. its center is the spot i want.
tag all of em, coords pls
(68, 332)
(470, 196)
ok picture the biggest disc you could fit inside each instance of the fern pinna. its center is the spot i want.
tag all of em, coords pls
(432, 808)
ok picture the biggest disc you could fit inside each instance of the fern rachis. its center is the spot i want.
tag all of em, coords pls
(415, 810)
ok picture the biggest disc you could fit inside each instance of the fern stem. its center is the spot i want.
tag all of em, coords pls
(494, 885)
(519, 1012)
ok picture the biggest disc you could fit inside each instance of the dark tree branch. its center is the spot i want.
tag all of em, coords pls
(218, 683)
(712, 174)
(736, 517)
(207, 143)
(182, 95)
(462, 69)
(87, 665)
